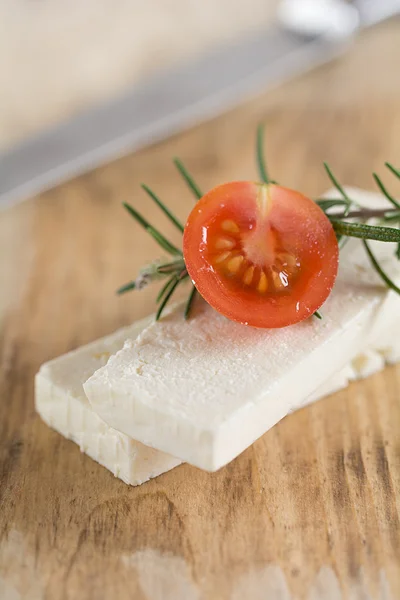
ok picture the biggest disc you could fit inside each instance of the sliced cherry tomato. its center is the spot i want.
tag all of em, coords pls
(262, 255)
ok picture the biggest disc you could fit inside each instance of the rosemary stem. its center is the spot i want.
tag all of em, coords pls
(367, 213)
(365, 232)
(171, 267)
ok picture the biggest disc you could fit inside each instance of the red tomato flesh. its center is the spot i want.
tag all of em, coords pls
(262, 255)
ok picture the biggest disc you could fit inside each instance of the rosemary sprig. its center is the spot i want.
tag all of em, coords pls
(174, 270)
(364, 231)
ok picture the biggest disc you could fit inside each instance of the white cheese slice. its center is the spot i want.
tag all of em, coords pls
(337, 382)
(364, 365)
(62, 404)
(205, 389)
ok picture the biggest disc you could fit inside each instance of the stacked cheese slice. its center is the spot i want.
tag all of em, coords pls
(204, 390)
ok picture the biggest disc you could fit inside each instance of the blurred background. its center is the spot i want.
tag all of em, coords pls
(58, 58)
(96, 80)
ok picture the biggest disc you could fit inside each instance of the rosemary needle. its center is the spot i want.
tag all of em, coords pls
(189, 303)
(168, 295)
(395, 172)
(384, 191)
(188, 178)
(379, 269)
(163, 207)
(347, 201)
(327, 203)
(165, 288)
(157, 236)
(260, 154)
(261, 163)
(127, 287)
(336, 184)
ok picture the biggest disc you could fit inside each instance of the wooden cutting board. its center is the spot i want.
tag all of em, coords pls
(311, 511)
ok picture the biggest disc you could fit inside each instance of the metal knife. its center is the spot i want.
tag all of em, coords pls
(168, 103)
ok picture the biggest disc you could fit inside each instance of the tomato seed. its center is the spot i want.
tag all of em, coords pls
(263, 283)
(221, 257)
(230, 226)
(235, 263)
(277, 280)
(223, 243)
(287, 259)
(248, 276)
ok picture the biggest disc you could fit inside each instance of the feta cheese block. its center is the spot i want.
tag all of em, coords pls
(62, 404)
(205, 389)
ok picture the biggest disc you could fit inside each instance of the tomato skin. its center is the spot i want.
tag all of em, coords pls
(291, 225)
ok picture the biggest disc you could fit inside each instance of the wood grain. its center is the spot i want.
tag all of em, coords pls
(311, 511)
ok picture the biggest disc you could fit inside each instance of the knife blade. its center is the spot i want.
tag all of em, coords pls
(161, 106)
